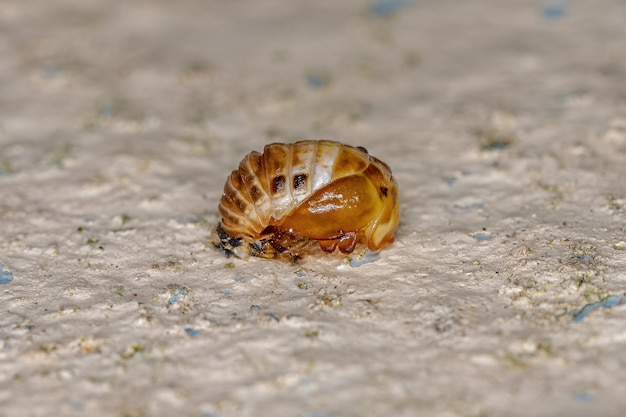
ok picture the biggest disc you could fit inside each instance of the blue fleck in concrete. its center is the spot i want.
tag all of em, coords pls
(583, 397)
(481, 237)
(52, 72)
(387, 8)
(464, 207)
(191, 332)
(367, 257)
(176, 292)
(608, 302)
(553, 10)
(243, 278)
(77, 405)
(5, 277)
(108, 110)
(316, 81)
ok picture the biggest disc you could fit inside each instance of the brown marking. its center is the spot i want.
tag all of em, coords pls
(299, 181)
(229, 219)
(235, 179)
(374, 174)
(256, 162)
(255, 193)
(378, 161)
(274, 156)
(296, 158)
(231, 195)
(229, 198)
(258, 168)
(278, 184)
(241, 205)
(270, 230)
(246, 175)
(384, 190)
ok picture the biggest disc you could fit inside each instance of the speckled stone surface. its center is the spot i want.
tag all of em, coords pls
(504, 123)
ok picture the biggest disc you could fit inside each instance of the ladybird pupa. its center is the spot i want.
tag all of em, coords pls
(283, 201)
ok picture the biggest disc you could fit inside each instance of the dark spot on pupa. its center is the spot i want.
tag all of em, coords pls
(299, 181)
(255, 193)
(374, 174)
(241, 205)
(278, 184)
(256, 161)
(384, 190)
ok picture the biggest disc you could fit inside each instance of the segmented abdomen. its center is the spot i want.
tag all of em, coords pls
(268, 186)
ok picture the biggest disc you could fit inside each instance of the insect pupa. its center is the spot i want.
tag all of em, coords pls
(283, 201)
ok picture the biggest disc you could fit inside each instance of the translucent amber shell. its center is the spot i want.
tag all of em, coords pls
(280, 201)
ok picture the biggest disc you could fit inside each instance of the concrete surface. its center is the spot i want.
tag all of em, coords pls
(504, 123)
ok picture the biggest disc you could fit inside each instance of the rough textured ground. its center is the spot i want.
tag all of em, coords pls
(504, 123)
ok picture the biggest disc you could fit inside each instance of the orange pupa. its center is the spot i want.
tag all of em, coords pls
(281, 202)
